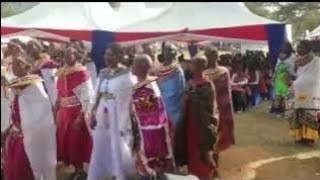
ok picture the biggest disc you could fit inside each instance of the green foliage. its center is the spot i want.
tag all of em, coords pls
(259, 9)
(7, 10)
(13, 8)
(302, 15)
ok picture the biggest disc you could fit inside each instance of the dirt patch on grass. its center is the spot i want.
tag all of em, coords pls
(234, 159)
(259, 136)
(290, 169)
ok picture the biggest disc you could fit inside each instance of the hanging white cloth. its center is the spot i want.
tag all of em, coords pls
(93, 72)
(39, 131)
(50, 81)
(5, 108)
(6, 98)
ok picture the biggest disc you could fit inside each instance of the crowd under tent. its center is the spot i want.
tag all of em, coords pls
(196, 21)
(179, 21)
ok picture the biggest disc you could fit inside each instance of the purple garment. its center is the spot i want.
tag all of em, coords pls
(151, 130)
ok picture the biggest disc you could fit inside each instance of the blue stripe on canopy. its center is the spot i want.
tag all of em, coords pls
(100, 41)
(276, 34)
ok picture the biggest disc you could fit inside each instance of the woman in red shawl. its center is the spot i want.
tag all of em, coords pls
(75, 94)
(200, 123)
(30, 152)
(220, 77)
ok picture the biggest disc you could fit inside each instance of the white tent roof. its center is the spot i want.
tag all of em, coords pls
(129, 13)
(80, 16)
(315, 32)
(199, 15)
(55, 15)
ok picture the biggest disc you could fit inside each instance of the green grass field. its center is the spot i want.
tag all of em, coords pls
(262, 136)
(259, 128)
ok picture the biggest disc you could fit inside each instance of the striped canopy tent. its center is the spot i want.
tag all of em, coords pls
(73, 20)
(198, 21)
(184, 21)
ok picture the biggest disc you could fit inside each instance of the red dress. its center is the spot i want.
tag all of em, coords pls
(74, 145)
(195, 165)
(16, 165)
(221, 79)
(199, 139)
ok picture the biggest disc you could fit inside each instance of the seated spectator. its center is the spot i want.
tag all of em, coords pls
(238, 82)
(254, 77)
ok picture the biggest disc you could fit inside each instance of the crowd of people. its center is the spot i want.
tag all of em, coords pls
(143, 115)
(250, 76)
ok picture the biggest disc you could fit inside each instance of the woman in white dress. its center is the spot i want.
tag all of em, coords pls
(31, 141)
(111, 123)
(305, 126)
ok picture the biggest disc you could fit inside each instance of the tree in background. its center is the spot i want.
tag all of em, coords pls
(6, 10)
(13, 8)
(302, 15)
